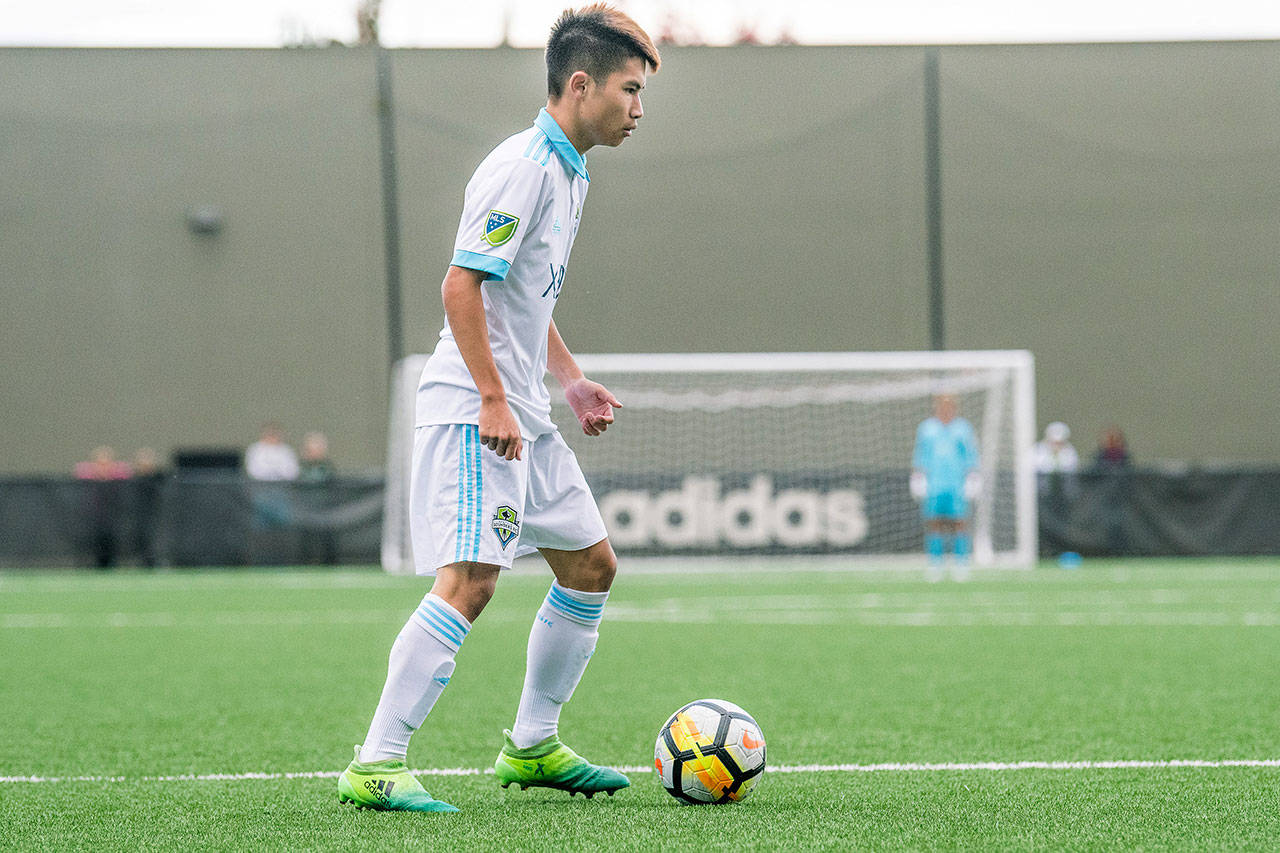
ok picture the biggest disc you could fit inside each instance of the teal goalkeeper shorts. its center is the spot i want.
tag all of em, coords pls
(949, 505)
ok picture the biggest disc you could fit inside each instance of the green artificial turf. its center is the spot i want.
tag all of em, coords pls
(112, 686)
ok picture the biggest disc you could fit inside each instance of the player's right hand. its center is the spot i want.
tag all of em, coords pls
(499, 430)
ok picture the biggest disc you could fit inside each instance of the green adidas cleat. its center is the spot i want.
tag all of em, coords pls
(551, 764)
(387, 786)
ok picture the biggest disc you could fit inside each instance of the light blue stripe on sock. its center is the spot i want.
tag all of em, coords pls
(559, 601)
(445, 615)
(444, 629)
(429, 622)
(559, 596)
(567, 594)
(435, 622)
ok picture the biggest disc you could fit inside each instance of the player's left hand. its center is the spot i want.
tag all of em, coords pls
(973, 485)
(592, 403)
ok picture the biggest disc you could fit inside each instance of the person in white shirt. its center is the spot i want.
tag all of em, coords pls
(492, 478)
(270, 458)
(1055, 452)
(1056, 465)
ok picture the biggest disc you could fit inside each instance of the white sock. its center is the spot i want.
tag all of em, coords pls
(420, 666)
(560, 644)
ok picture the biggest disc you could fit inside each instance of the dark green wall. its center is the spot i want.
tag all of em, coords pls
(1114, 208)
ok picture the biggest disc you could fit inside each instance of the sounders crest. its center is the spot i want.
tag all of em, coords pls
(506, 524)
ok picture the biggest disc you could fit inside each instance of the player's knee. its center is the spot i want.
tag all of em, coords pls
(594, 573)
(589, 570)
(603, 568)
(467, 586)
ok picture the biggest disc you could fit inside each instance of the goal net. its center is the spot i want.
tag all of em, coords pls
(776, 453)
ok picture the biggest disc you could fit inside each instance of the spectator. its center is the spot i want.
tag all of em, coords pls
(272, 463)
(1115, 490)
(148, 480)
(319, 542)
(316, 467)
(269, 458)
(1055, 454)
(1113, 450)
(103, 474)
(1056, 463)
(103, 466)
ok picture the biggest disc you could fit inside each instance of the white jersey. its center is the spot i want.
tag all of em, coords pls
(1050, 458)
(519, 219)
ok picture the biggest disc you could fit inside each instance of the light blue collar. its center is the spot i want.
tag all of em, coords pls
(545, 123)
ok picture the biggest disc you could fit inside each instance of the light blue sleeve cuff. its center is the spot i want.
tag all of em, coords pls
(495, 267)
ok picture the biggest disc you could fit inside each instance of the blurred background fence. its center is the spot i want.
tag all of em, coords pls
(204, 518)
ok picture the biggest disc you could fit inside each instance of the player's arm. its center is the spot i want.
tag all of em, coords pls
(590, 401)
(464, 306)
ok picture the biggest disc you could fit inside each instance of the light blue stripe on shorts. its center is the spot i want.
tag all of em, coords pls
(479, 510)
(462, 485)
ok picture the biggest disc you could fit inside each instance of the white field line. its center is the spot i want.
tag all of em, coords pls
(931, 767)
(956, 613)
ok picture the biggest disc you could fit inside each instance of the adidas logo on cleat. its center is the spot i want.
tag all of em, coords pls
(380, 788)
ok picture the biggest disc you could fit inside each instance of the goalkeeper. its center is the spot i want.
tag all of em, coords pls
(945, 479)
(491, 476)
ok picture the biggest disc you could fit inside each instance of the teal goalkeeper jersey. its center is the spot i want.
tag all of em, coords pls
(946, 453)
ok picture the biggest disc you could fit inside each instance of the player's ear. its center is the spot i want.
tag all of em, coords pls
(577, 84)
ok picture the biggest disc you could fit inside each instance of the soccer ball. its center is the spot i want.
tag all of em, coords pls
(710, 751)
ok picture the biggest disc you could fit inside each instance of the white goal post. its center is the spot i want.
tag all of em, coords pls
(729, 454)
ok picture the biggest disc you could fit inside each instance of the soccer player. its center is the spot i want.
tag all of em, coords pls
(491, 477)
(945, 478)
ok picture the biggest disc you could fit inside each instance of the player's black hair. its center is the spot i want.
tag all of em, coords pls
(597, 39)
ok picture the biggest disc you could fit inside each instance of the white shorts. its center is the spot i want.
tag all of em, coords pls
(467, 504)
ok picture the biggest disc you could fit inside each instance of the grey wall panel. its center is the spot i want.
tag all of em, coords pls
(121, 326)
(1116, 208)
